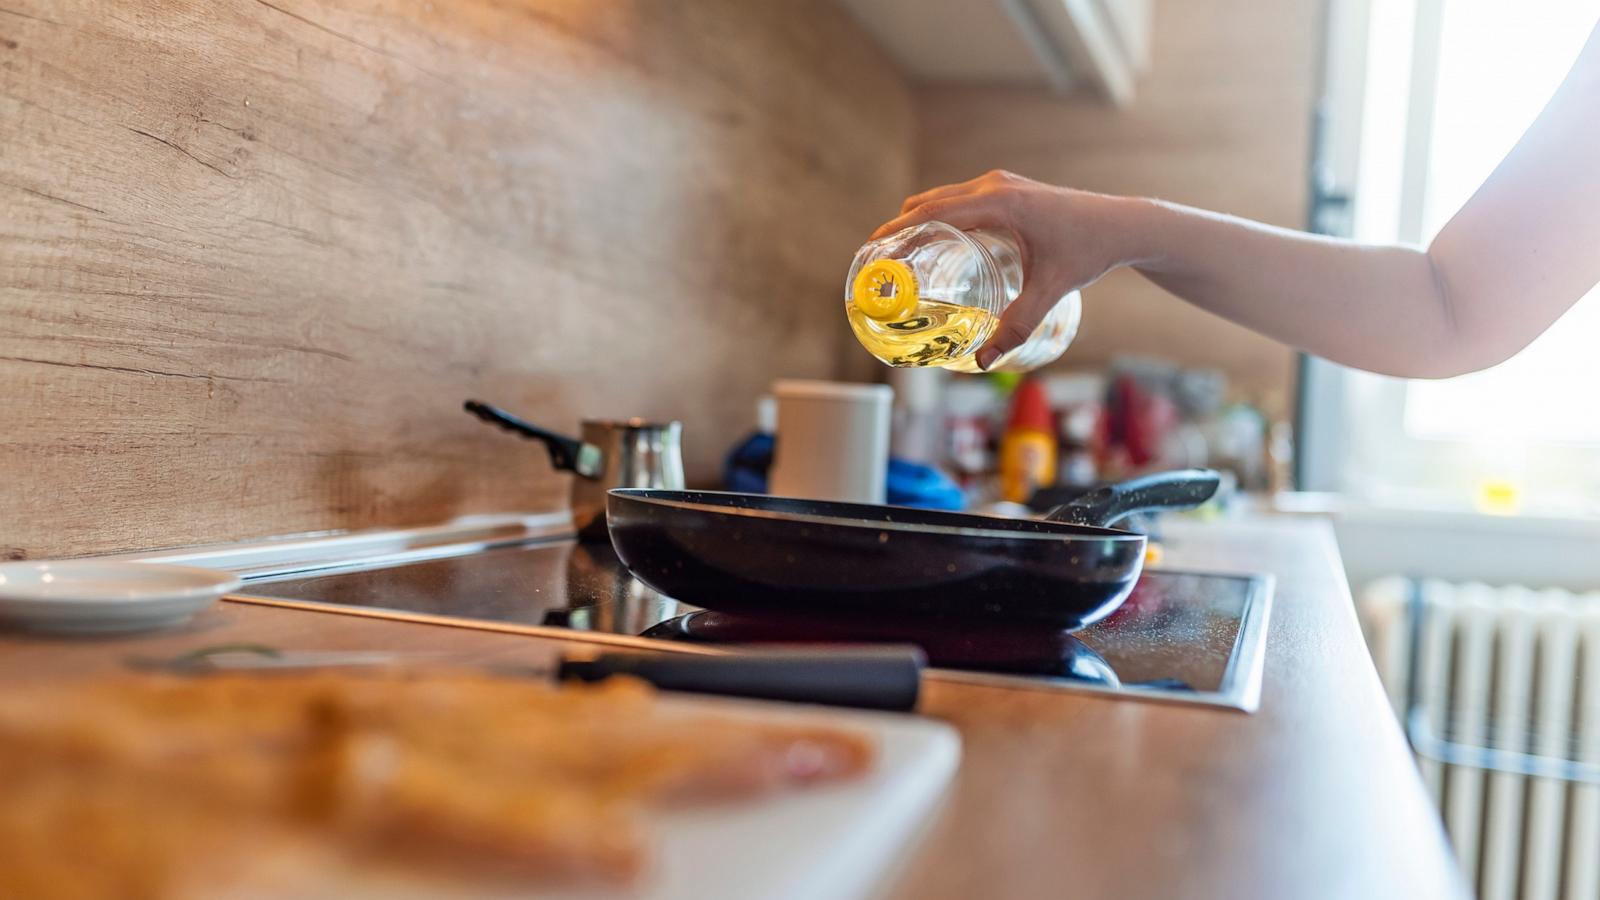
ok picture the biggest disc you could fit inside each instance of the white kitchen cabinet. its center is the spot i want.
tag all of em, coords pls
(1098, 46)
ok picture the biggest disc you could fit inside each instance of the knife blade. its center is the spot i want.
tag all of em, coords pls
(884, 677)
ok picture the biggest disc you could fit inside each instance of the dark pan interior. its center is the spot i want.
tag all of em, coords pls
(754, 554)
(862, 515)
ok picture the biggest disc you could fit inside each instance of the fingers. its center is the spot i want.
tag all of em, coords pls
(980, 210)
(1017, 323)
(969, 186)
(972, 188)
(991, 178)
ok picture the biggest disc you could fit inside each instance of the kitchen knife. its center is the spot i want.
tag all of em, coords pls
(881, 677)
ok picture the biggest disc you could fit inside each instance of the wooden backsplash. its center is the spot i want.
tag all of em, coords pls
(255, 253)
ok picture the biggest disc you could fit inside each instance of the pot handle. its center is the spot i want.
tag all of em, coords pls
(1181, 489)
(567, 454)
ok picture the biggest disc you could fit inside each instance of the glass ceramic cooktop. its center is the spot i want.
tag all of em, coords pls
(1181, 636)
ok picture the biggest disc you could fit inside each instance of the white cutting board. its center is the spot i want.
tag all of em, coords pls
(832, 842)
(829, 843)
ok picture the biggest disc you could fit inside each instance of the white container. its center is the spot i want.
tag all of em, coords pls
(833, 441)
(916, 429)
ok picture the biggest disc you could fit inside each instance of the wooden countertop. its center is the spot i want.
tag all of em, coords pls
(1060, 794)
(1313, 796)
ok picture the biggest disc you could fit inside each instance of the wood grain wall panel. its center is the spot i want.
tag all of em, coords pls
(255, 253)
(1222, 120)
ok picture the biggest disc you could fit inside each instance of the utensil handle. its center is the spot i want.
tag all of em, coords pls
(885, 678)
(565, 453)
(1107, 505)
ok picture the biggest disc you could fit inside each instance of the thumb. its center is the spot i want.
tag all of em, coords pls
(1018, 322)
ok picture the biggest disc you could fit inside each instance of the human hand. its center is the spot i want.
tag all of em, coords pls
(1068, 239)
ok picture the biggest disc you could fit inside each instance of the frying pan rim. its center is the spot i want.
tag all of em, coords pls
(651, 496)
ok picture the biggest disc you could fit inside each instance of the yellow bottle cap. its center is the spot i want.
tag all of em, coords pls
(886, 290)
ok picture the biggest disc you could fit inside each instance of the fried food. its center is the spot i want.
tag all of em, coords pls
(161, 787)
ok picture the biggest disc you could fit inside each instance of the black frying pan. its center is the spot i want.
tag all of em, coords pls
(750, 553)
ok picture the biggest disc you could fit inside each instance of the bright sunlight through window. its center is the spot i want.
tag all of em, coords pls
(1498, 64)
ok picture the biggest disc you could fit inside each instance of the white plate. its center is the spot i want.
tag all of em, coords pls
(89, 596)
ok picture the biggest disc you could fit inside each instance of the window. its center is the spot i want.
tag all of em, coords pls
(1449, 87)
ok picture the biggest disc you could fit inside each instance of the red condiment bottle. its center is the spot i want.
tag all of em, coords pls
(1028, 447)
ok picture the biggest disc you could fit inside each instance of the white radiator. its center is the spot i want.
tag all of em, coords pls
(1500, 691)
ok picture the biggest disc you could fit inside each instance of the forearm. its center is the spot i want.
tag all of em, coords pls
(1506, 266)
(1521, 251)
(1373, 307)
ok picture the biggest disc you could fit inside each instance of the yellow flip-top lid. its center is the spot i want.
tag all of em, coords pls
(885, 289)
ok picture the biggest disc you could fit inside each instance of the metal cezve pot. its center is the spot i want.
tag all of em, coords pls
(611, 453)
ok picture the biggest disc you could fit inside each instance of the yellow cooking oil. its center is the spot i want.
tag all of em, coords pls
(933, 335)
(902, 327)
(932, 295)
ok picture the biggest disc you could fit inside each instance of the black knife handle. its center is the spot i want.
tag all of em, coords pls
(867, 678)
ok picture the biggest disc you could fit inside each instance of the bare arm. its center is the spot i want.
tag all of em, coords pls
(1522, 250)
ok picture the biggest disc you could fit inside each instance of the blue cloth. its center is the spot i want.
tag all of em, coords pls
(908, 483)
(747, 464)
(923, 486)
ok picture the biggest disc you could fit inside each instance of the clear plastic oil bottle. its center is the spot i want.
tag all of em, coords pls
(932, 294)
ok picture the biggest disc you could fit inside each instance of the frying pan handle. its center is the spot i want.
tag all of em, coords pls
(566, 454)
(1180, 489)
